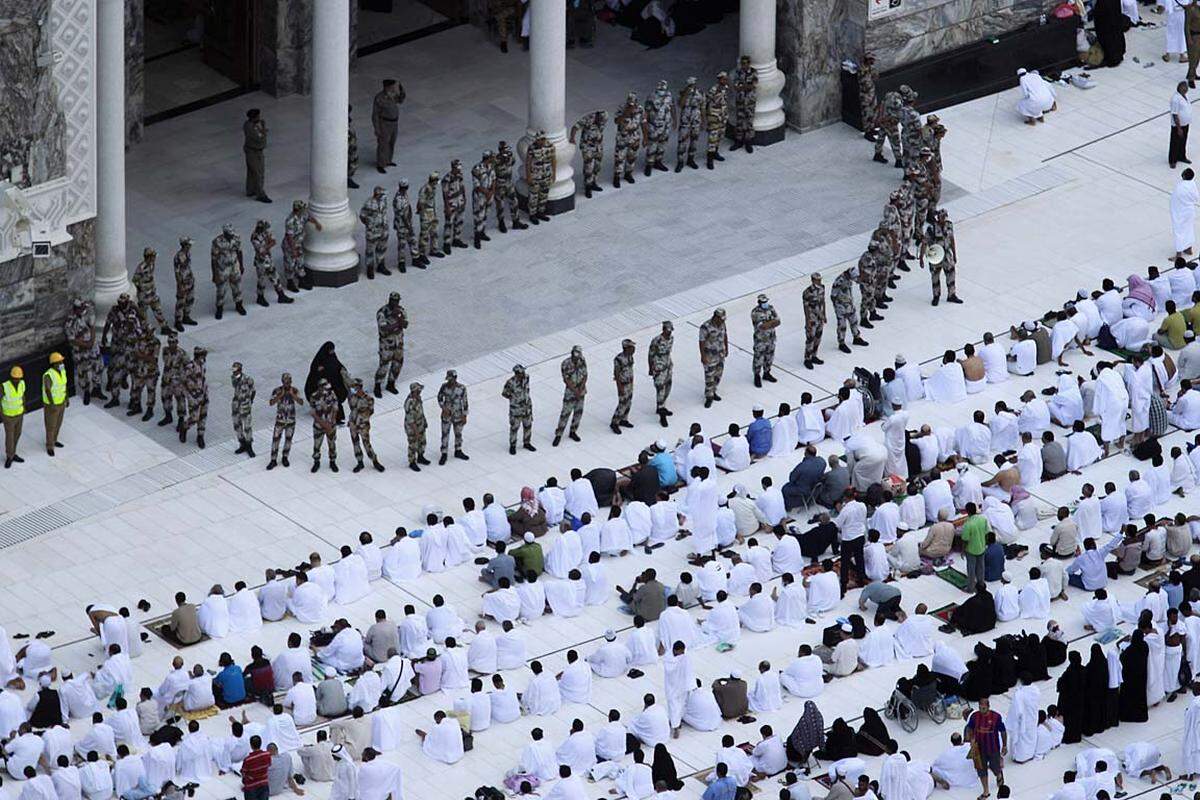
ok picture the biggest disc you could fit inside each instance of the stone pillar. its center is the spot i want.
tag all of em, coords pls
(330, 253)
(756, 38)
(547, 96)
(112, 279)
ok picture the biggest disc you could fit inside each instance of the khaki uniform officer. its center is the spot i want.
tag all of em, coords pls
(54, 400)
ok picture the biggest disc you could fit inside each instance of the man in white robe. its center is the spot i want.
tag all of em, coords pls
(651, 726)
(791, 603)
(565, 598)
(1185, 411)
(1101, 612)
(575, 681)
(580, 497)
(846, 417)
(954, 767)
(784, 434)
(541, 695)
(344, 654)
(678, 680)
(481, 653)
(1022, 722)
(443, 620)
(824, 591)
(1037, 97)
(973, 441)
(402, 561)
(1066, 405)
(893, 777)
(352, 581)
(757, 613)
(1029, 461)
(308, 602)
(1034, 598)
(444, 741)
(611, 659)
(947, 384)
(914, 636)
(722, 625)
(676, 625)
(379, 779)
(894, 440)
(245, 614)
(1005, 430)
(1190, 741)
(1184, 198)
(538, 757)
(1082, 448)
(1005, 598)
(193, 760)
(735, 760)
(767, 693)
(578, 750)
(770, 503)
(700, 507)
(810, 422)
(281, 731)
(878, 647)
(804, 675)
(502, 603)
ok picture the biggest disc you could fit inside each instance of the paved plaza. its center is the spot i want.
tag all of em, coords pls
(125, 512)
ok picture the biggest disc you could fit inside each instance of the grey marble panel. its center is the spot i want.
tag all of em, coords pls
(32, 126)
(135, 69)
(285, 46)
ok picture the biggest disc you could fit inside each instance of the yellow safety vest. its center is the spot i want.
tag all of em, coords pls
(58, 388)
(12, 404)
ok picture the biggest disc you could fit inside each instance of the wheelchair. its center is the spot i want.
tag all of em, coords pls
(906, 708)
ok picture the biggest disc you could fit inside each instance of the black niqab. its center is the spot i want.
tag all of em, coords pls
(1072, 697)
(1132, 698)
(1095, 687)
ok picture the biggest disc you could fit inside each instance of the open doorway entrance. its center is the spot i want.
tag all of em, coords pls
(386, 23)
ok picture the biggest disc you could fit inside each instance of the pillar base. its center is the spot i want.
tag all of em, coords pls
(334, 278)
(769, 137)
(106, 293)
(553, 206)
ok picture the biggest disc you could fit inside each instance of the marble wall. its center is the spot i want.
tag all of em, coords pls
(135, 69)
(32, 125)
(927, 27)
(36, 294)
(285, 46)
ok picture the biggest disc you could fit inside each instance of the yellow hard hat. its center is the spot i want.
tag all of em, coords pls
(56, 358)
(17, 373)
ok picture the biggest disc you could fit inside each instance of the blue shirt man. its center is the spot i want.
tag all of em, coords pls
(231, 682)
(723, 788)
(662, 461)
(759, 434)
(993, 560)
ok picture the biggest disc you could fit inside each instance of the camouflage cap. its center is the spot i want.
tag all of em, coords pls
(123, 298)
(762, 298)
(77, 302)
(199, 352)
(744, 60)
(297, 205)
(227, 229)
(433, 176)
(378, 191)
(415, 386)
(323, 383)
(668, 325)
(720, 312)
(456, 163)
(394, 296)
(518, 369)
(691, 81)
(451, 375)
(722, 74)
(816, 277)
(661, 86)
(403, 184)
(628, 343)
(237, 365)
(576, 350)
(185, 241)
(356, 383)
(149, 252)
(286, 377)
(487, 153)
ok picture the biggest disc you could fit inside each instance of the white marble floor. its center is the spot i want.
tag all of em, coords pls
(138, 519)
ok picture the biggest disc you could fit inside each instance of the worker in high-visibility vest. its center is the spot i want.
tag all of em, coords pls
(54, 400)
(12, 410)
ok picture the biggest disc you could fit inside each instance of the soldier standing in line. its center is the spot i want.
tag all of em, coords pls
(122, 329)
(147, 292)
(285, 398)
(714, 348)
(452, 397)
(362, 406)
(745, 95)
(661, 369)
(885, 266)
(385, 114)
(415, 426)
(483, 187)
(932, 133)
(373, 216)
(540, 170)
(941, 233)
(254, 131)
(691, 115)
(887, 122)
(630, 122)
(145, 374)
(427, 215)
(907, 206)
(660, 119)
(841, 294)
(868, 102)
(933, 182)
(293, 246)
(813, 299)
(185, 285)
(520, 409)
(324, 411)
(391, 321)
(454, 203)
(910, 125)
(590, 132)
(623, 377)
(574, 375)
(716, 117)
(262, 241)
(406, 239)
(195, 385)
(80, 332)
(228, 268)
(918, 173)
(765, 321)
(241, 408)
(505, 14)
(351, 149)
(868, 265)
(506, 189)
(174, 363)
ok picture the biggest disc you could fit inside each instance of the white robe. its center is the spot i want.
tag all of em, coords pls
(955, 767)
(1184, 198)
(308, 603)
(344, 653)
(791, 607)
(893, 778)
(652, 726)
(378, 779)
(676, 625)
(580, 499)
(351, 579)
(1066, 406)
(678, 680)
(803, 677)
(1034, 599)
(722, 624)
(893, 439)
(1006, 602)
(541, 695)
(281, 730)
(758, 613)
(914, 636)
(824, 592)
(193, 758)
(1082, 450)
(213, 615)
(402, 561)
(701, 510)
(502, 605)
(444, 742)
(878, 648)
(1022, 722)
(245, 615)
(615, 537)
(767, 694)
(783, 437)
(846, 418)
(642, 647)
(947, 384)
(565, 555)
(1037, 97)
(575, 683)
(810, 424)
(1190, 741)
(565, 598)
(433, 548)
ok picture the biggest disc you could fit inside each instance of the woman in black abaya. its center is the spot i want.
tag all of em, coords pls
(839, 742)
(663, 768)
(1095, 687)
(1111, 25)
(1133, 679)
(807, 736)
(977, 682)
(325, 364)
(1072, 697)
(872, 737)
(1004, 666)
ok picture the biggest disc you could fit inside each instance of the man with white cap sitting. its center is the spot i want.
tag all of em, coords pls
(609, 660)
(1037, 97)
(1022, 356)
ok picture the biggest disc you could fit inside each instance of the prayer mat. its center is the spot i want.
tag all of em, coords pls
(944, 612)
(1149, 578)
(203, 713)
(159, 628)
(1124, 355)
(854, 581)
(823, 779)
(955, 577)
(1109, 635)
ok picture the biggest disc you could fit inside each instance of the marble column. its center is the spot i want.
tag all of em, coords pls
(112, 279)
(330, 252)
(756, 38)
(547, 97)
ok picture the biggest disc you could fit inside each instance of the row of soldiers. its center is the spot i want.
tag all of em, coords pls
(894, 120)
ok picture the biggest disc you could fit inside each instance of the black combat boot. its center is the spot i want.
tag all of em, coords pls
(378, 390)
(629, 176)
(679, 165)
(616, 181)
(333, 467)
(220, 312)
(358, 467)
(769, 378)
(200, 442)
(517, 225)
(375, 463)
(660, 166)
(149, 415)
(241, 309)
(459, 243)
(134, 409)
(187, 320)
(597, 187)
(710, 162)
(879, 157)
(413, 466)
(757, 381)
(477, 240)
(283, 298)
(691, 162)
(587, 191)
(241, 446)
(500, 226)
(384, 271)
(749, 147)
(272, 464)
(646, 169)
(262, 301)
(391, 387)
(718, 157)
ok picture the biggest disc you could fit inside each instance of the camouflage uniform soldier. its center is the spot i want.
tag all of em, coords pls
(716, 116)
(745, 95)
(907, 205)
(324, 413)
(195, 385)
(406, 240)
(868, 102)
(147, 292)
(351, 149)
(539, 176)
(520, 409)
(505, 14)
(185, 285)
(174, 364)
(888, 124)
(868, 267)
(910, 125)
(228, 268)
(932, 190)
(941, 233)
(145, 374)
(415, 426)
(841, 295)
(454, 203)
(764, 320)
(590, 132)
(691, 114)
(452, 397)
(483, 186)
(813, 299)
(574, 375)
(241, 408)
(293, 246)
(623, 377)
(285, 398)
(80, 330)
(506, 189)
(391, 320)
(714, 348)
(122, 329)
(630, 122)
(932, 133)
(660, 119)
(362, 406)
(262, 241)
(373, 216)
(661, 370)
(884, 266)
(427, 215)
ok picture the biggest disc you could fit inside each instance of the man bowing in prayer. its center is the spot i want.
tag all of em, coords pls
(1037, 97)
